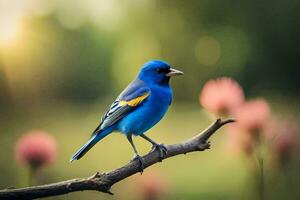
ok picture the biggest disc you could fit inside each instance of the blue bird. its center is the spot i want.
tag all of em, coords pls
(137, 109)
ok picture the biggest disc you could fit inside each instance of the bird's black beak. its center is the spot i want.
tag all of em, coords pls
(174, 72)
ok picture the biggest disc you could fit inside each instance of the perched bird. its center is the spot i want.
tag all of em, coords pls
(138, 108)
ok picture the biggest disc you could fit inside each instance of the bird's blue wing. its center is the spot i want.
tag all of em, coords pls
(133, 96)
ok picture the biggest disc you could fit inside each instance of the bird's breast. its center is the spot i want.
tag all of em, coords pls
(148, 113)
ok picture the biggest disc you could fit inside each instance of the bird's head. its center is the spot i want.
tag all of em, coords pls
(157, 72)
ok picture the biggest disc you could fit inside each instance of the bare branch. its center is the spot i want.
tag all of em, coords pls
(103, 182)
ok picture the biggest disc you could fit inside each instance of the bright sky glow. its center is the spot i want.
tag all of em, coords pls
(9, 32)
(11, 14)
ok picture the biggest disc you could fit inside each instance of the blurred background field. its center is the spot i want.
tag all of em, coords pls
(63, 62)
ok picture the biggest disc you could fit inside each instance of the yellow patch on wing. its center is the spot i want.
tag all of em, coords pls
(136, 101)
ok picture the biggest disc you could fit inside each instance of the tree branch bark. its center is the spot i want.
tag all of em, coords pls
(103, 182)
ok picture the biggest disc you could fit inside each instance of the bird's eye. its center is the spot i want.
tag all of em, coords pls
(162, 71)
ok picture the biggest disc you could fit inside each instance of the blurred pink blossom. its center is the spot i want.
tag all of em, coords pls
(239, 141)
(151, 186)
(252, 115)
(35, 149)
(221, 96)
(284, 140)
(270, 128)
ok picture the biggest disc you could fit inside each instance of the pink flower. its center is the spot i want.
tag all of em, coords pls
(221, 96)
(252, 115)
(285, 140)
(271, 127)
(238, 141)
(151, 186)
(35, 149)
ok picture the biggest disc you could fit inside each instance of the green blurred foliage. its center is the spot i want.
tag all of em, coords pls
(255, 42)
(71, 58)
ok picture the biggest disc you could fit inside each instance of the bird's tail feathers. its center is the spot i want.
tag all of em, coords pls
(96, 137)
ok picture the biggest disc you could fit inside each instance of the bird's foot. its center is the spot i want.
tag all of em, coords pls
(162, 149)
(204, 145)
(140, 161)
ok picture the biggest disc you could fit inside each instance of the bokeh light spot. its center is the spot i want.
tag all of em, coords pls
(208, 50)
(9, 32)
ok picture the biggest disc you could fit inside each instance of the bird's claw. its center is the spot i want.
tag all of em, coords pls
(203, 146)
(140, 161)
(162, 149)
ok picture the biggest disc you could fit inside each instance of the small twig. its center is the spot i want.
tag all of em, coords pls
(103, 182)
